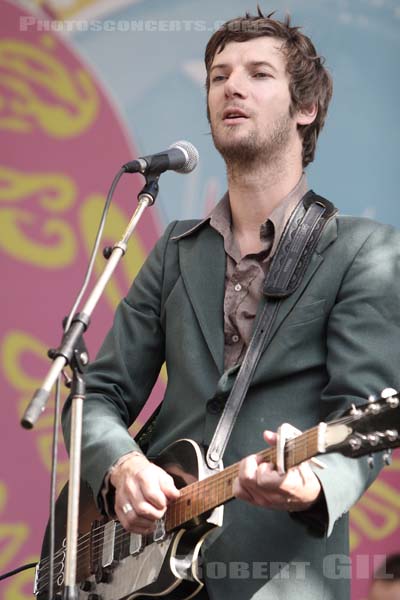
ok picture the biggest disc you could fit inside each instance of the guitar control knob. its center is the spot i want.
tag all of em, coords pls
(103, 575)
(88, 586)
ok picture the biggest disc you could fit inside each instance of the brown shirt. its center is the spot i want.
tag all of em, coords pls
(245, 275)
(244, 279)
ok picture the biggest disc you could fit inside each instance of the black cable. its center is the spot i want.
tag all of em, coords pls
(57, 392)
(95, 248)
(53, 484)
(15, 571)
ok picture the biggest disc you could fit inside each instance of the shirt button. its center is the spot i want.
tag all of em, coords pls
(238, 287)
(235, 338)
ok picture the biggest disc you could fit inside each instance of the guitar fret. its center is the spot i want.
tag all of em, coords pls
(300, 450)
(206, 494)
(106, 543)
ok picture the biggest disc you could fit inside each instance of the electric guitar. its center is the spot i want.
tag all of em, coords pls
(113, 564)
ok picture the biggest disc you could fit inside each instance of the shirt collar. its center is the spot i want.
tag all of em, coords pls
(221, 218)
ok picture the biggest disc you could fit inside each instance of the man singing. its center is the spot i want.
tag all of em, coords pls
(194, 305)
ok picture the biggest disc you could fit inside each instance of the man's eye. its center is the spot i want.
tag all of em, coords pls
(217, 78)
(261, 75)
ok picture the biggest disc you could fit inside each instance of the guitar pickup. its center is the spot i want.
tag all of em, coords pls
(107, 558)
(135, 543)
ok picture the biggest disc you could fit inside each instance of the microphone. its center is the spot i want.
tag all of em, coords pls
(181, 157)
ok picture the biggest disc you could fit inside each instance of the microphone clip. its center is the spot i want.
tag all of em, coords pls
(149, 191)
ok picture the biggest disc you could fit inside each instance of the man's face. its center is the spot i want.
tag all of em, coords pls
(249, 101)
(385, 590)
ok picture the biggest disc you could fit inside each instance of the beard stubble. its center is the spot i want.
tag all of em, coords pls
(255, 148)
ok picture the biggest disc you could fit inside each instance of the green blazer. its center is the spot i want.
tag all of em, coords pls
(335, 341)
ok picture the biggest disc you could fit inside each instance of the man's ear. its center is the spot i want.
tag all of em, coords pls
(307, 114)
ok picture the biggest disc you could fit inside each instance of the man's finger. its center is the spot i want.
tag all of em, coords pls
(270, 437)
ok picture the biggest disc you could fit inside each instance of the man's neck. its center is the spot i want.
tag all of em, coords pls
(254, 194)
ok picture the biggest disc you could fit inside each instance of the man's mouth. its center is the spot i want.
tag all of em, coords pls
(233, 115)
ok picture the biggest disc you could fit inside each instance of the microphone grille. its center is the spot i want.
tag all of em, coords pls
(191, 153)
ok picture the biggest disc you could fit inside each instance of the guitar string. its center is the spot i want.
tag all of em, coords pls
(213, 486)
(217, 479)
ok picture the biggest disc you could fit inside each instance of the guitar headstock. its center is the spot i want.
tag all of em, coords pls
(367, 428)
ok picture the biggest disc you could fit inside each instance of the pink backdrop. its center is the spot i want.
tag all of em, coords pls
(62, 143)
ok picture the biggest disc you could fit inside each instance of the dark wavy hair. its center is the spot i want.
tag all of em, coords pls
(309, 81)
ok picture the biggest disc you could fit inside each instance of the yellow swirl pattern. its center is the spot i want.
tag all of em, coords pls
(382, 503)
(55, 193)
(15, 345)
(90, 212)
(64, 10)
(38, 91)
(20, 586)
(12, 535)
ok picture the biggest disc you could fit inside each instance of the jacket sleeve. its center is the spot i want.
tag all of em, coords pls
(363, 358)
(120, 379)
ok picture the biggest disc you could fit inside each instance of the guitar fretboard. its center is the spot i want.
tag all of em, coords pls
(195, 500)
(204, 495)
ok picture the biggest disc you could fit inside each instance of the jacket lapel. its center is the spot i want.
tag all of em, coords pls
(203, 264)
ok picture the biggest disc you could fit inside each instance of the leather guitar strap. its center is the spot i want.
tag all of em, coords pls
(288, 266)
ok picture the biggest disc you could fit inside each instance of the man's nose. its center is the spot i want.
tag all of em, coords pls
(235, 85)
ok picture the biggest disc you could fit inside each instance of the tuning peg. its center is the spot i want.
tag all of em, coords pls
(355, 442)
(373, 407)
(387, 457)
(355, 411)
(371, 463)
(391, 397)
(371, 398)
(392, 434)
(373, 438)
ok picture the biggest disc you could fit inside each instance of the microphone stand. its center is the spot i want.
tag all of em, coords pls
(72, 351)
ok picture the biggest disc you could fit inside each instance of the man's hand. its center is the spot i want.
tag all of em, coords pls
(259, 484)
(145, 490)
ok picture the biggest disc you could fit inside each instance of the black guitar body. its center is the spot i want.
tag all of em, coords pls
(113, 564)
(117, 565)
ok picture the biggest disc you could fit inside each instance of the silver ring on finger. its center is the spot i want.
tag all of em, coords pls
(127, 508)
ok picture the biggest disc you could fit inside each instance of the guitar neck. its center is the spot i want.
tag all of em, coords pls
(206, 494)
